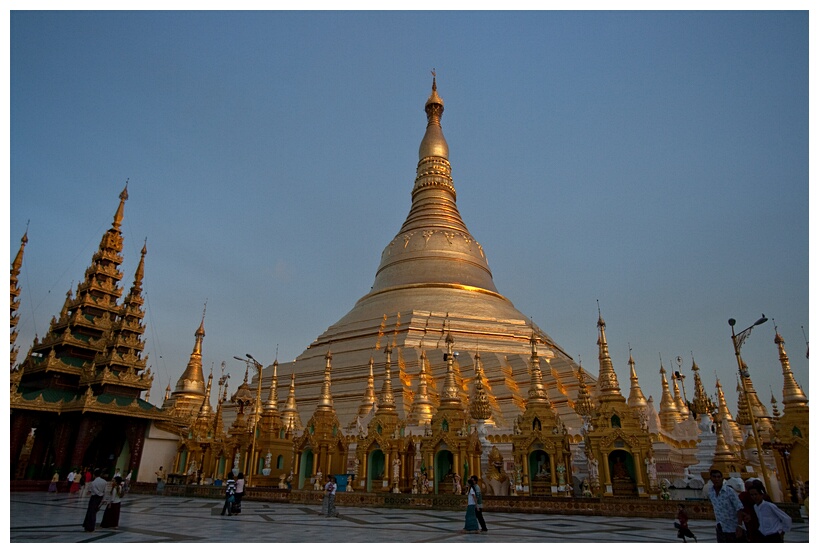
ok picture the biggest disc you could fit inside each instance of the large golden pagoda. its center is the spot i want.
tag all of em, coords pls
(434, 279)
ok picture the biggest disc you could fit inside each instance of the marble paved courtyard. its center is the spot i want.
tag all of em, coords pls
(38, 517)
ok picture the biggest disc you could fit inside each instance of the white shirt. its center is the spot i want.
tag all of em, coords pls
(772, 519)
(71, 477)
(98, 486)
(240, 485)
(470, 497)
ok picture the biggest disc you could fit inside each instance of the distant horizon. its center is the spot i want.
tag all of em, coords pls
(658, 165)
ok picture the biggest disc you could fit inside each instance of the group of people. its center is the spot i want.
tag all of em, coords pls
(234, 491)
(79, 481)
(747, 516)
(101, 490)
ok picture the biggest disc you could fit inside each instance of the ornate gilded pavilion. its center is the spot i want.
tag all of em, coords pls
(75, 398)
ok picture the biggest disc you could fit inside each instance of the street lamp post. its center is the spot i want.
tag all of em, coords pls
(738, 340)
(256, 415)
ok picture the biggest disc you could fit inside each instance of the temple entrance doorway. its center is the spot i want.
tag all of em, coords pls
(623, 473)
(105, 449)
(444, 471)
(305, 468)
(540, 473)
(375, 472)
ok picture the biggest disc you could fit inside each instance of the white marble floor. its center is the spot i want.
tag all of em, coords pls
(38, 517)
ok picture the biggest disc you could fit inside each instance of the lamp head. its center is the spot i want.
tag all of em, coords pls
(761, 320)
(732, 322)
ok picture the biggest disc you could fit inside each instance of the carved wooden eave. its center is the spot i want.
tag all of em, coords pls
(52, 364)
(551, 443)
(127, 378)
(617, 434)
(87, 403)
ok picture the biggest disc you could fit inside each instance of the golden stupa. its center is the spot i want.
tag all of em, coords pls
(433, 279)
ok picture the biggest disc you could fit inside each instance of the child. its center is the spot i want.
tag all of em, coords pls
(681, 524)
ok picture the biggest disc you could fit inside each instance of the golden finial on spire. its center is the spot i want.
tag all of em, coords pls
(123, 196)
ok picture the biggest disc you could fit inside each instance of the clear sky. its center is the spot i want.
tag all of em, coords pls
(654, 161)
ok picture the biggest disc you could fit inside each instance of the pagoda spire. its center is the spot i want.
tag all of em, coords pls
(669, 414)
(537, 391)
(272, 403)
(205, 415)
(423, 407)
(190, 388)
(218, 423)
(387, 401)
(583, 405)
(68, 357)
(123, 196)
(760, 412)
(450, 395)
(636, 399)
(701, 404)
(14, 301)
(325, 402)
(607, 380)
(792, 394)
(479, 408)
(724, 414)
(122, 354)
(369, 399)
(679, 401)
(206, 410)
(434, 239)
(290, 414)
(774, 409)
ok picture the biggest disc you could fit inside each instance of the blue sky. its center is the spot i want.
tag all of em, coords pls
(654, 161)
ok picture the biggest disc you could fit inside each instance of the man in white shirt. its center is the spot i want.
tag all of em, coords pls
(773, 521)
(97, 489)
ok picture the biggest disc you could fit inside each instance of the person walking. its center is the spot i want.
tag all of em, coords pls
(52, 487)
(110, 518)
(97, 490)
(727, 509)
(473, 481)
(85, 481)
(160, 479)
(773, 521)
(749, 517)
(73, 480)
(681, 524)
(240, 493)
(230, 494)
(325, 500)
(331, 498)
(471, 520)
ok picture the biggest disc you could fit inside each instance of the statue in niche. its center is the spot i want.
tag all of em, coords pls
(497, 481)
(651, 470)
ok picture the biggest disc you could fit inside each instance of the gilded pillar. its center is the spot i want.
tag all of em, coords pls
(553, 468)
(526, 480)
(638, 469)
(363, 472)
(606, 476)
